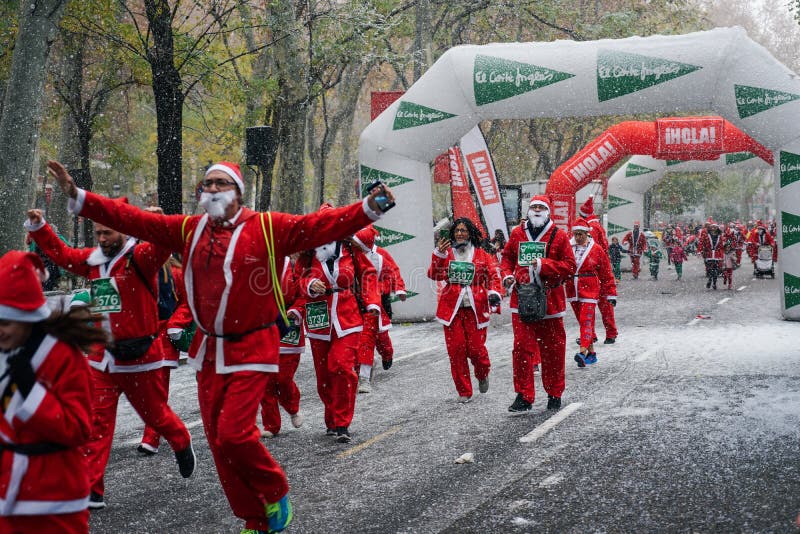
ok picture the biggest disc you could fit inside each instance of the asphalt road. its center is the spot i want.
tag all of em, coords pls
(685, 424)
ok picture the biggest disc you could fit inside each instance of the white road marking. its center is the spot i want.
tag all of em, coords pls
(740, 288)
(723, 301)
(548, 425)
(693, 321)
(552, 480)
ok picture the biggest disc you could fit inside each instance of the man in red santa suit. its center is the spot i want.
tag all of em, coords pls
(760, 236)
(712, 249)
(375, 334)
(228, 278)
(45, 404)
(637, 245)
(282, 389)
(339, 285)
(592, 278)
(605, 303)
(537, 251)
(122, 274)
(472, 285)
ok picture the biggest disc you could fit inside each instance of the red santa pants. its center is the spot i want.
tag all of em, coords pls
(148, 396)
(465, 341)
(584, 313)
(249, 475)
(542, 342)
(371, 339)
(337, 381)
(150, 436)
(607, 314)
(281, 389)
(75, 523)
(635, 265)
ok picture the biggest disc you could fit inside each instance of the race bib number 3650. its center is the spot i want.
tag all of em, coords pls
(528, 252)
(317, 315)
(461, 272)
(105, 296)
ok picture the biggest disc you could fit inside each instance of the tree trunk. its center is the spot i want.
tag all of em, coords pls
(169, 97)
(289, 186)
(22, 112)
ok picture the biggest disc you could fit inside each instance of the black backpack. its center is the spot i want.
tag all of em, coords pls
(166, 295)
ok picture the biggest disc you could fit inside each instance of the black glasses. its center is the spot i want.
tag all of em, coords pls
(221, 184)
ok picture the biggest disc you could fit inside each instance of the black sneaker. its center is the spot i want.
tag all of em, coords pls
(520, 405)
(387, 364)
(330, 431)
(553, 403)
(96, 501)
(146, 450)
(186, 461)
(708, 284)
(483, 385)
(342, 434)
(609, 341)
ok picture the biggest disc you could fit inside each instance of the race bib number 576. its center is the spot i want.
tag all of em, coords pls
(528, 252)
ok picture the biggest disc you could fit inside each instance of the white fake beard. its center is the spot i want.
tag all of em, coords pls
(325, 252)
(538, 218)
(216, 204)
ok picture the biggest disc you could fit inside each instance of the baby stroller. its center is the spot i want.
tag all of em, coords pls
(763, 265)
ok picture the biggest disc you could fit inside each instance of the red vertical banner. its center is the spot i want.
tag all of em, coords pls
(380, 100)
(441, 169)
(463, 205)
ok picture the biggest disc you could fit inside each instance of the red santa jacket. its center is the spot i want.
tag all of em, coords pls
(598, 232)
(226, 270)
(639, 247)
(335, 311)
(139, 315)
(57, 411)
(593, 276)
(712, 247)
(756, 239)
(485, 280)
(555, 268)
(295, 341)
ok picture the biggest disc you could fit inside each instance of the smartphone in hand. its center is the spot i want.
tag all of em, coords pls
(384, 204)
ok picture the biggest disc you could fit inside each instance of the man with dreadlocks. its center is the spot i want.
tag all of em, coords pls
(472, 285)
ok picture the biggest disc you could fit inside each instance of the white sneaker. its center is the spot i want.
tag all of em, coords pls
(363, 385)
(297, 420)
(464, 399)
(267, 434)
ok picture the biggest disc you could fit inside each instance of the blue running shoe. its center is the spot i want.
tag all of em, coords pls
(590, 358)
(279, 514)
(580, 359)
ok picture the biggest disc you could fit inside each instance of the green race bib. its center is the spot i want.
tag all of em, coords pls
(292, 337)
(461, 272)
(529, 251)
(105, 296)
(317, 315)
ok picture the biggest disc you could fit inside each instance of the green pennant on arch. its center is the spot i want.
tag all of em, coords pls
(753, 100)
(409, 115)
(637, 170)
(387, 237)
(370, 175)
(621, 73)
(495, 78)
(671, 162)
(736, 157)
(790, 229)
(616, 229)
(790, 168)
(409, 294)
(791, 290)
(615, 202)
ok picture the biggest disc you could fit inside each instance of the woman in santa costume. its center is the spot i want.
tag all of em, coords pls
(122, 273)
(472, 285)
(281, 388)
(375, 334)
(339, 285)
(711, 247)
(46, 402)
(537, 251)
(231, 256)
(592, 279)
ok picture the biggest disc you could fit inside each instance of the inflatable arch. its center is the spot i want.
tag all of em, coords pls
(673, 139)
(627, 186)
(721, 72)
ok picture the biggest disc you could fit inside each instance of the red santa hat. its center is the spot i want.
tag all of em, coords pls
(21, 296)
(580, 224)
(232, 170)
(636, 223)
(587, 208)
(541, 200)
(366, 237)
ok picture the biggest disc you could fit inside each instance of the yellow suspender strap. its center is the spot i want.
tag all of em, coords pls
(276, 282)
(183, 229)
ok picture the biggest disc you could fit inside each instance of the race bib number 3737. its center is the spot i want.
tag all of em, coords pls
(529, 251)
(317, 315)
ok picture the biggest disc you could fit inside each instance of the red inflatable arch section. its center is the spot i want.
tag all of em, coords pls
(675, 138)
